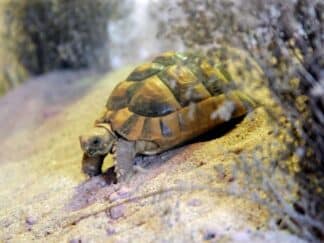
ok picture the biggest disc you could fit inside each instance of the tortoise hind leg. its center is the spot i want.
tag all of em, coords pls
(243, 102)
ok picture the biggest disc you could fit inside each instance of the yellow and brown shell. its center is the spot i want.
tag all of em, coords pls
(171, 100)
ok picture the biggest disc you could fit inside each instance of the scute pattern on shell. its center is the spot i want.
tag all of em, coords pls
(170, 82)
(170, 100)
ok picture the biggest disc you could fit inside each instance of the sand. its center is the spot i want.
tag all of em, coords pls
(178, 197)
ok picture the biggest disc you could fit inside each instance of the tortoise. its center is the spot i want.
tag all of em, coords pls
(161, 105)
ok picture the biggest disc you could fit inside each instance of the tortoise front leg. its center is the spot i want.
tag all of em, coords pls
(92, 165)
(125, 154)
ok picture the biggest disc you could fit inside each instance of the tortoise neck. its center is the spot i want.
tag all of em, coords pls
(107, 127)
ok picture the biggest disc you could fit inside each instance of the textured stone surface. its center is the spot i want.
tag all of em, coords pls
(177, 197)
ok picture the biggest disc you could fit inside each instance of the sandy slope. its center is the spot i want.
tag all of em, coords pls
(178, 198)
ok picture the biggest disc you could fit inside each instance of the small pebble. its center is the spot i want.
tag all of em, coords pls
(5, 223)
(209, 235)
(194, 202)
(76, 240)
(231, 179)
(30, 220)
(110, 230)
(123, 192)
(117, 211)
(114, 197)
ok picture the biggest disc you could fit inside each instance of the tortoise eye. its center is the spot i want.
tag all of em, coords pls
(96, 141)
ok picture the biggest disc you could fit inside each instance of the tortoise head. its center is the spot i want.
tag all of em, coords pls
(96, 144)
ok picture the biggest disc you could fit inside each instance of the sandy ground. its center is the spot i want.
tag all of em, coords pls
(177, 197)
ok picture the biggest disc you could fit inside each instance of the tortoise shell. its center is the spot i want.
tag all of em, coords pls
(171, 100)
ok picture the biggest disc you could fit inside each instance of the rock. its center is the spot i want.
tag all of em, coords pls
(40, 170)
(194, 202)
(110, 230)
(31, 220)
(75, 240)
(117, 212)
